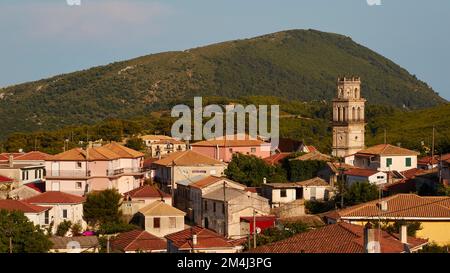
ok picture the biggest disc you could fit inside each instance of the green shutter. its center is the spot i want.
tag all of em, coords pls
(388, 162)
(408, 162)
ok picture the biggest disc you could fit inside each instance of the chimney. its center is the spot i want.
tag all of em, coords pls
(194, 239)
(11, 160)
(265, 180)
(371, 244)
(383, 205)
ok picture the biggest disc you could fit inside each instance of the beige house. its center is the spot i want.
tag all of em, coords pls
(223, 209)
(159, 145)
(180, 166)
(136, 199)
(385, 158)
(64, 207)
(189, 193)
(161, 219)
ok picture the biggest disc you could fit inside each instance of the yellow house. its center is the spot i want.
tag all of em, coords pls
(433, 212)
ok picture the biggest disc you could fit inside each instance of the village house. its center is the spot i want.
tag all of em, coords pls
(190, 192)
(223, 209)
(22, 172)
(365, 175)
(433, 212)
(159, 145)
(283, 193)
(223, 148)
(80, 171)
(75, 244)
(200, 240)
(135, 199)
(385, 158)
(64, 207)
(20, 193)
(333, 171)
(160, 219)
(39, 215)
(180, 166)
(345, 238)
(138, 241)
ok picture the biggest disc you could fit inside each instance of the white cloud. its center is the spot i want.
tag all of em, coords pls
(93, 19)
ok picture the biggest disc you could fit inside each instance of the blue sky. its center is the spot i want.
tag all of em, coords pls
(41, 38)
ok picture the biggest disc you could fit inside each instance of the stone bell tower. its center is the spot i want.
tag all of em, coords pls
(348, 117)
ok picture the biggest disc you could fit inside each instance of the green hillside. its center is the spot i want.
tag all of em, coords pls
(298, 64)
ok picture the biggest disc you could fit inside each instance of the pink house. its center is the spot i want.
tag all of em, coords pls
(223, 149)
(79, 171)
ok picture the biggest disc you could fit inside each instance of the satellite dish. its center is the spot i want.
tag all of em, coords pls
(73, 247)
(258, 230)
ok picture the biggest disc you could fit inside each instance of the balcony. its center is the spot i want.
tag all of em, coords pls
(69, 173)
(122, 171)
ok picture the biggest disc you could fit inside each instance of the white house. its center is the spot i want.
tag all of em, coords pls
(365, 175)
(65, 207)
(161, 219)
(37, 214)
(385, 158)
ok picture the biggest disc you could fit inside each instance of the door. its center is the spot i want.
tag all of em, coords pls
(313, 193)
(55, 168)
(299, 193)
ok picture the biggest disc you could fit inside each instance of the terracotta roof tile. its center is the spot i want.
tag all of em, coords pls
(34, 155)
(160, 208)
(122, 151)
(361, 172)
(316, 181)
(22, 206)
(55, 197)
(138, 240)
(231, 141)
(314, 156)
(146, 191)
(276, 158)
(205, 239)
(187, 158)
(209, 180)
(336, 238)
(401, 206)
(387, 149)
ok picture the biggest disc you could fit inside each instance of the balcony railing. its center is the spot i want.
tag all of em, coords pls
(69, 173)
(123, 171)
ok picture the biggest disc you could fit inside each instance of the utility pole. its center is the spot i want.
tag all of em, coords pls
(432, 148)
(10, 245)
(225, 208)
(254, 228)
(107, 244)
(385, 138)
(172, 183)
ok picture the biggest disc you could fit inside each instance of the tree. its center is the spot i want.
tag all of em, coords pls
(135, 143)
(252, 170)
(63, 228)
(25, 236)
(360, 192)
(102, 207)
(435, 248)
(76, 229)
(300, 170)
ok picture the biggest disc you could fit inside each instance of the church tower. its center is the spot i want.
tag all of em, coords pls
(348, 117)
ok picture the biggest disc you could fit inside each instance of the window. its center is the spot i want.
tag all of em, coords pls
(156, 222)
(231, 150)
(78, 165)
(253, 150)
(36, 173)
(214, 207)
(388, 162)
(172, 222)
(206, 205)
(46, 218)
(380, 177)
(408, 162)
(223, 208)
(78, 185)
(283, 193)
(64, 214)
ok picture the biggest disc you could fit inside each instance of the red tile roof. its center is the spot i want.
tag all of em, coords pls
(231, 141)
(337, 238)
(138, 240)
(406, 206)
(206, 181)
(360, 172)
(55, 197)
(22, 206)
(387, 149)
(276, 158)
(187, 158)
(205, 239)
(33, 155)
(147, 191)
(4, 179)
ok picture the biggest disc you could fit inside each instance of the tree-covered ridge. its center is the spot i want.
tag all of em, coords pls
(297, 64)
(308, 122)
